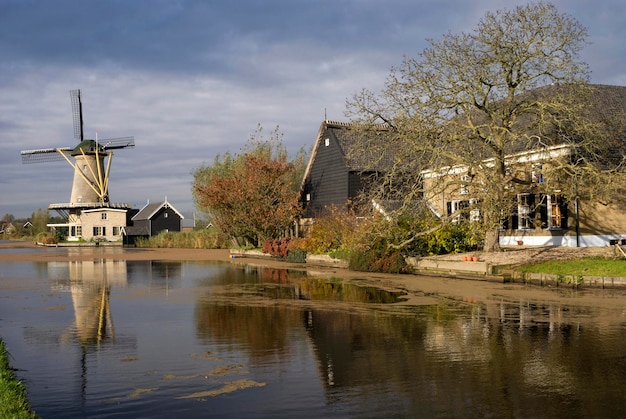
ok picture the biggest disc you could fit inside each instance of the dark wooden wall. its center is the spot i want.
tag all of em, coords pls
(328, 181)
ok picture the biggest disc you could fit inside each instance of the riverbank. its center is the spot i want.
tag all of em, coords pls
(13, 403)
(448, 284)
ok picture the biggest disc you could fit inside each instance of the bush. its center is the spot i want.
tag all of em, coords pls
(296, 256)
(277, 247)
(332, 230)
(197, 239)
(452, 238)
(46, 239)
(376, 260)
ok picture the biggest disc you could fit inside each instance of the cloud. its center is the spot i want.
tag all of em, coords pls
(193, 79)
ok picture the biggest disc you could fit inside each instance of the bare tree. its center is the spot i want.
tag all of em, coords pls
(469, 101)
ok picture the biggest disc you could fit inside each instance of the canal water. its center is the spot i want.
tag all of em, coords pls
(151, 339)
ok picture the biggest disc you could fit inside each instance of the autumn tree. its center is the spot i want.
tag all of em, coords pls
(470, 99)
(254, 195)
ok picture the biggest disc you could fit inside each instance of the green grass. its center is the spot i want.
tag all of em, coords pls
(589, 266)
(197, 239)
(13, 403)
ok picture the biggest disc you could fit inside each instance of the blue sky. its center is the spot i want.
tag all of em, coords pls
(191, 79)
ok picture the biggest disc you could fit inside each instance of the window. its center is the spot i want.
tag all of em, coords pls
(103, 216)
(308, 197)
(165, 215)
(76, 231)
(557, 211)
(459, 209)
(524, 211)
(326, 142)
(99, 231)
(464, 186)
(536, 174)
(474, 214)
(116, 230)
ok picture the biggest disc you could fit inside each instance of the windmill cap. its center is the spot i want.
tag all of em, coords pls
(85, 146)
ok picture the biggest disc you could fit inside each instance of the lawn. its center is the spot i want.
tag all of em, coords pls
(588, 266)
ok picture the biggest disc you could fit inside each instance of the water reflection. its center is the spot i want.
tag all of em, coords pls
(90, 285)
(283, 284)
(315, 346)
(502, 358)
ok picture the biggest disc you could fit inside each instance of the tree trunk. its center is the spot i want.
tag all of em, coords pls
(492, 240)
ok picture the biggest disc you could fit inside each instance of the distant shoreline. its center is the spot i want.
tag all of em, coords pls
(419, 288)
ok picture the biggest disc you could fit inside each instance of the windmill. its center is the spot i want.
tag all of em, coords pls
(90, 188)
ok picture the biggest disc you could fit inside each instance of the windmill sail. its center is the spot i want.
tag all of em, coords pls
(77, 113)
(117, 143)
(44, 155)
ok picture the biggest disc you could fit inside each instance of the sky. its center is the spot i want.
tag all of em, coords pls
(193, 79)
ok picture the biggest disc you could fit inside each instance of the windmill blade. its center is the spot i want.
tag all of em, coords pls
(43, 155)
(116, 143)
(77, 112)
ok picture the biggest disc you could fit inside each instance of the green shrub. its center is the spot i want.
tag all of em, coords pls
(452, 238)
(296, 256)
(196, 239)
(375, 260)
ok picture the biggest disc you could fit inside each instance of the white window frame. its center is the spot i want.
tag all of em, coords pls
(76, 231)
(454, 207)
(523, 212)
(464, 185)
(474, 214)
(554, 206)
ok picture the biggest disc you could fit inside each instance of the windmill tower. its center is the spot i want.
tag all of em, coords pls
(91, 160)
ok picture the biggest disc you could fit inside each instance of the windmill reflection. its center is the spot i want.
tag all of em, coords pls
(90, 285)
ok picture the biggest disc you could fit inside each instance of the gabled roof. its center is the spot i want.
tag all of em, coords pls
(363, 149)
(149, 210)
(136, 231)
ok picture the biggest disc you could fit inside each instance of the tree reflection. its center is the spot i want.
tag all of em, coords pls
(499, 358)
(262, 331)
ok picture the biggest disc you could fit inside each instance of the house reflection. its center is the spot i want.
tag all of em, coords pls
(445, 351)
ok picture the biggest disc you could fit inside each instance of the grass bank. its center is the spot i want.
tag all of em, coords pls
(588, 266)
(198, 239)
(13, 403)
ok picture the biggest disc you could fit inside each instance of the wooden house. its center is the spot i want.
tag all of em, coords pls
(344, 162)
(153, 219)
